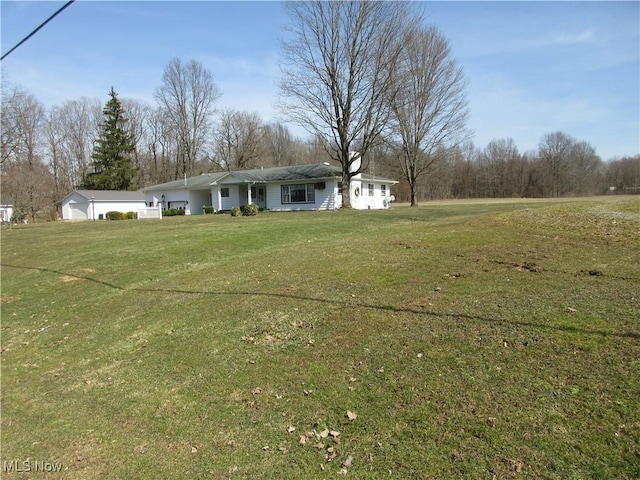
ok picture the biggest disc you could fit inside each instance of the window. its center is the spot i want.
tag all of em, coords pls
(383, 190)
(339, 188)
(298, 193)
(224, 192)
(371, 189)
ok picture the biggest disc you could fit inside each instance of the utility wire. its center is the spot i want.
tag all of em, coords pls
(36, 30)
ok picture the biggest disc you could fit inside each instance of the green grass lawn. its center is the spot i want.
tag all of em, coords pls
(454, 340)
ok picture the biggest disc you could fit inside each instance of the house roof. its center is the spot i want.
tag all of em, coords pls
(314, 171)
(110, 195)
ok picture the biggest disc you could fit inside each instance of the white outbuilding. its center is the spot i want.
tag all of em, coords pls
(94, 204)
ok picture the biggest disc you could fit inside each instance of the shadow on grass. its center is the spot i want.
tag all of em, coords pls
(390, 308)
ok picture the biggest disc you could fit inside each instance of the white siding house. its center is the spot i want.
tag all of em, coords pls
(6, 212)
(298, 187)
(94, 204)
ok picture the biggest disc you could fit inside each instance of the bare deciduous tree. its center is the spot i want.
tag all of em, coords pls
(9, 128)
(59, 161)
(430, 107)
(137, 115)
(79, 122)
(337, 73)
(26, 180)
(186, 97)
(238, 140)
(498, 161)
(554, 151)
(279, 144)
(161, 147)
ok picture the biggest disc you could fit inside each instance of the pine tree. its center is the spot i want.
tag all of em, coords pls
(112, 169)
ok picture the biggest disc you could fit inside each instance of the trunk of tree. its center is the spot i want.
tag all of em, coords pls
(414, 194)
(346, 189)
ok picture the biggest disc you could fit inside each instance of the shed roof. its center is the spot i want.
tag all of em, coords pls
(110, 195)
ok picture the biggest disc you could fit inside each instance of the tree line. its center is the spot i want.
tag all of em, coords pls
(364, 77)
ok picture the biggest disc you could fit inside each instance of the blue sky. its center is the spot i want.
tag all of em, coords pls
(532, 67)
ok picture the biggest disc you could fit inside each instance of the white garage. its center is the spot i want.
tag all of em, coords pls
(94, 204)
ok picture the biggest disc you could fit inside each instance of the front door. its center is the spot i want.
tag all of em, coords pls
(259, 197)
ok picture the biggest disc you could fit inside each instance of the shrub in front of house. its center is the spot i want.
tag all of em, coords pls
(113, 215)
(170, 212)
(131, 215)
(208, 210)
(249, 210)
(236, 212)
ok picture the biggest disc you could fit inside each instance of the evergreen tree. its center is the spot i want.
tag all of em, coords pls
(112, 168)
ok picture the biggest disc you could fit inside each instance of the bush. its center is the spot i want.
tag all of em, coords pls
(208, 210)
(236, 212)
(171, 212)
(181, 211)
(131, 215)
(249, 210)
(115, 215)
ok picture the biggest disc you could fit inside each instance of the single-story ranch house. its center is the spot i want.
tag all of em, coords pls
(298, 187)
(94, 204)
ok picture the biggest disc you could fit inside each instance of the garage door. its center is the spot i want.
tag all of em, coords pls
(78, 212)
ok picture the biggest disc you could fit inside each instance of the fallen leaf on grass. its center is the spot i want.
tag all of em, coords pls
(256, 391)
(291, 429)
(571, 310)
(351, 415)
(348, 461)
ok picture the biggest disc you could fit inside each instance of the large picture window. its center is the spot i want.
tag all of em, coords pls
(298, 193)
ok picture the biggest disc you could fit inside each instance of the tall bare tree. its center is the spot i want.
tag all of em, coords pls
(279, 144)
(430, 107)
(10, 132)
(337, 73)
(59, 161)
(26, 180)
(498, 161)
(161, 148)
(79, 123)
(554, 151)
(137, 113)
(585, 169)
(238, 140)
(186, 96)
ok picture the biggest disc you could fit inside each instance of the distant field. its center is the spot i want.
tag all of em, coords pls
(479, 339)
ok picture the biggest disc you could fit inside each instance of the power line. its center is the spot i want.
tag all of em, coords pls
(39, 27)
